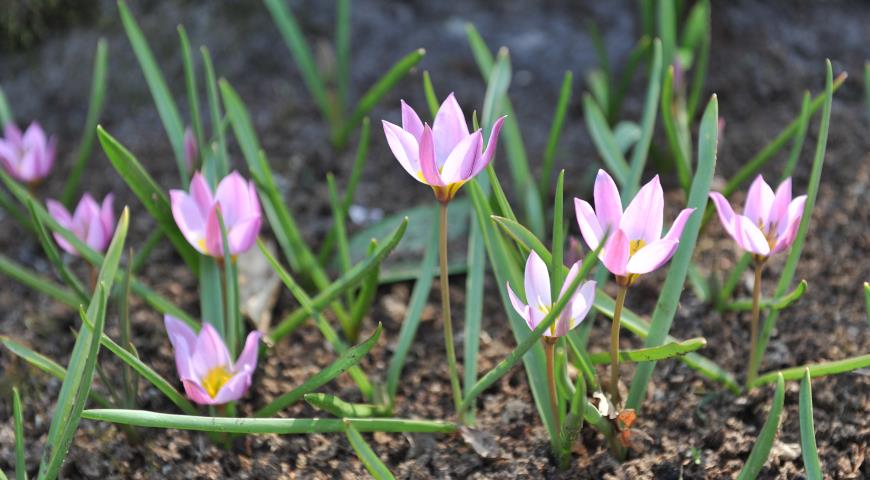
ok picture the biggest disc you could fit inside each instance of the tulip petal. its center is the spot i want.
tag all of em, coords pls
(582, 302)
(726, 213)
(491, 147)
(615, 254)
(196, 393)
(209, 352)
(608, 205)
(572, 273)
(411, 121)
(651, 256)
(107, 214)
(62, 216)
(642, 219)
(679, 224)
(200, 192)
(183, 340)
(759, 200)
(247, 361)
(187, 216)
(234, 389)
(427, 159)
(537, 282)
(460, 162)
(97, 237)
(795, 212)
(404, 147)
(214, 244)
(449, 128)
(750, 237)
(243, 235)
(233, 195)
(588, 222)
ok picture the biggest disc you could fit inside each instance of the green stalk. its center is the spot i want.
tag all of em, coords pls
(445, 311)
(756, 314)
(614, 345)
(550, 353)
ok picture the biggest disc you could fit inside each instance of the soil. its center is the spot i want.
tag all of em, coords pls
(764, 55)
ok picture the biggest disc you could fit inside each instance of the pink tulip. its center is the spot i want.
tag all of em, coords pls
(91, 223)
(196, 214)
(191, 150)
(28, 157)
(444, 156)
(769, 222)
(537, 285)
(209, 375)
(635, 245)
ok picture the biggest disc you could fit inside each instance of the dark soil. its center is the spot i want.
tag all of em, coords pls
(765, 54)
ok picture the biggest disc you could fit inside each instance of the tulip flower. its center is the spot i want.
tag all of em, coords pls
(91, 222)
(203, 362)
(538, 297)
(443, 156)
(770, 220)
(27, 157)
(769, 225)
(635, 245)
(539, 303)
(191, 150)
(195, 214)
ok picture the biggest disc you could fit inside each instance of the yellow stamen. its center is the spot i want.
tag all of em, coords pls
(634, 246)
(201, 244)
(216, 378)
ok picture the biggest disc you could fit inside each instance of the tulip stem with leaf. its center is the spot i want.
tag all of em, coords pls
(444, 156)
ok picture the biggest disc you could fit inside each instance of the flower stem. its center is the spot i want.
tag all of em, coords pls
(756, 314)
(550, 353)
(614, 346)
(445, 312)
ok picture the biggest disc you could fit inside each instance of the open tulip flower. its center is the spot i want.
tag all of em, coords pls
(538, 297)
(209, 375)
(444, 156)
(28, 157)
(91, 222)
(196, 211)
(769, 222)
(635, 245)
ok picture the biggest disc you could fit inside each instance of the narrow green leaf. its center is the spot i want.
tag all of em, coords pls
(809, 451)
(51, 251)
(211, 296)
(816, 369)
(280, 426)
(348, 359)
(761, 449)
(867, 299)
(648, 123)
(573, 420)
(798, 139)
(779, 303)
(18, 420)
(496, 88)
(661, 352)
(153, 198)
(418, 300)
(342, 51)
(337, 288)
(339, 408)
(866, 90)
(338, 216)
(794, 255)
(429, 92)
(366, 455)
(523, 237)
(192, 91)
(557, 245)
(604, 141)
(599, 47)
(5, 112)
(222, 163)
(37, 282)
(669, 298)
(366, 296)
(638, 53)
(129, 380)
(555, 132)
(474, 283)
(696, 35)
(302, 54)
(95, 108)
(666, 21)
(679, 146)
(166, 107)
(377, 91)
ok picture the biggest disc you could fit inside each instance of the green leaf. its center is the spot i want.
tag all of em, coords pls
(80, 372)
(676, 140)
(301, 51)
(669, 298)
(18, 420)
(696, 35)
(604, 141)
(555, 132)
(48, 245)
(762, 447)
(496, 89)
(418, 300)
(166, 107)
(211, 297)
(37, 282)
(638, 53)
(573, 421)
(798, 139)
(279, 426)
(780, 303)
(648, 123)
(867, 299)
(809, 451)
(153, 198)
(339, 408)
(816, 370)
(557, 245)
(192, 92)
(5, 112)
(95, 108)
(345, 361)
(429, 92)
(342, 51)
(661, 352)
(234, 325)
(334, 290)
(221, 158)
(474, 283)
(794, 255)
(374, 94)
(666, 21)
(366, 455)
